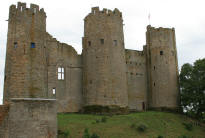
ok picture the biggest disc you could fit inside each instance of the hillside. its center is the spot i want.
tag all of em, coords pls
(168, 125)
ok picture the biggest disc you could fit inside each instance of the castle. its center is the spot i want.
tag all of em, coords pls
(44, 76)
(105, 74)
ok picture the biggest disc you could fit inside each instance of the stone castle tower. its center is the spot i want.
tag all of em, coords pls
(162, 67)
(106, 74)
(104, 65)
(25, 69)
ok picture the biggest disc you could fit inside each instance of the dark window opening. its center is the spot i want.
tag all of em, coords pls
(161, 52)
(60, 73)
(154, 83)
(115, 42)
(54, 91)
(89, 43)
(33, 45)
(91, 81)
(143, 106)
(5, 78)
(154, 67)
(102, 41)
(15, 45)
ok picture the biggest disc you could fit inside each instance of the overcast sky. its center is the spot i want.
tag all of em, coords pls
(65, 22)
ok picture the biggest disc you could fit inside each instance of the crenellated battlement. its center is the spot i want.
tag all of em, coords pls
(150, 28)
(95, 11)
(21, 8)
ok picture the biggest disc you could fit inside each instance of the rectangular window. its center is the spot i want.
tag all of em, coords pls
(161, 52)
(89, 43)
(115, 42)
(33, 45)
(15, 45)
(102, 41)
(60, 73)
(54, 91)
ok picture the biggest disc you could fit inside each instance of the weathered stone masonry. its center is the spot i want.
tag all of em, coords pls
(106, 74)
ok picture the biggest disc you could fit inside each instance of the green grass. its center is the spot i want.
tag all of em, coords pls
(168, 125)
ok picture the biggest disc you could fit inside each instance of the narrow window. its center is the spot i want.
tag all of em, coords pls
(154, 83)
(89, 43)
(60, 73)
(115, 42)
(33, 45)
(161, 52)
(54, 91)
(154, 67)
(102, 41)
(15, 45)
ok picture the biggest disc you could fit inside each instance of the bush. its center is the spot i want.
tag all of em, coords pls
(94, 135)
(133, 125)
(160, 136)
(183, 136)
(142, 128)
(97, 121)
(86, 134)
(104, 119)
(188, 126)
(63, 133)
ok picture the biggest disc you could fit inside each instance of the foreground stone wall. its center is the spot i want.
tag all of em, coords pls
(32, 118)
(69, 89)
(4, 111)
(136, 79)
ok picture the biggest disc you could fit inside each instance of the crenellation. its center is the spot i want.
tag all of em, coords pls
(97, 12)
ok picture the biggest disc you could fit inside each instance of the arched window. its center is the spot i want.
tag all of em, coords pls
(60, 73)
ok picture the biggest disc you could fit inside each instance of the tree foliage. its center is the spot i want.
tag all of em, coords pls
(192, 88)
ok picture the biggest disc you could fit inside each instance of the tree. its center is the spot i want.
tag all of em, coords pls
(192, 88)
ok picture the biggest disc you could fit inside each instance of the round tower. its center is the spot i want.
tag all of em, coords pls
(104, 68)
(25, 54)
(163, 88)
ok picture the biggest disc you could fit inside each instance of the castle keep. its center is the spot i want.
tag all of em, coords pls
(105, 74)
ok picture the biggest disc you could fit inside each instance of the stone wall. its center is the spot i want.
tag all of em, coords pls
(32, 118)
(68, 90)
(136, 79)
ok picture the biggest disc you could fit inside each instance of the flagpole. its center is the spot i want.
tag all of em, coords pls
(149, 18)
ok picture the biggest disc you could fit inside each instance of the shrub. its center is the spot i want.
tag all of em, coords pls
(63, 133)
(160, 136)
(142, 128)
(94, 135)
(104, 119)
(133, 125)
(183, 136)
(188, 126)
(86, 133)
(97, 121)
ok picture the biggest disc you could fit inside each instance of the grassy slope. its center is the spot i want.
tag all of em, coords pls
(168, 125)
